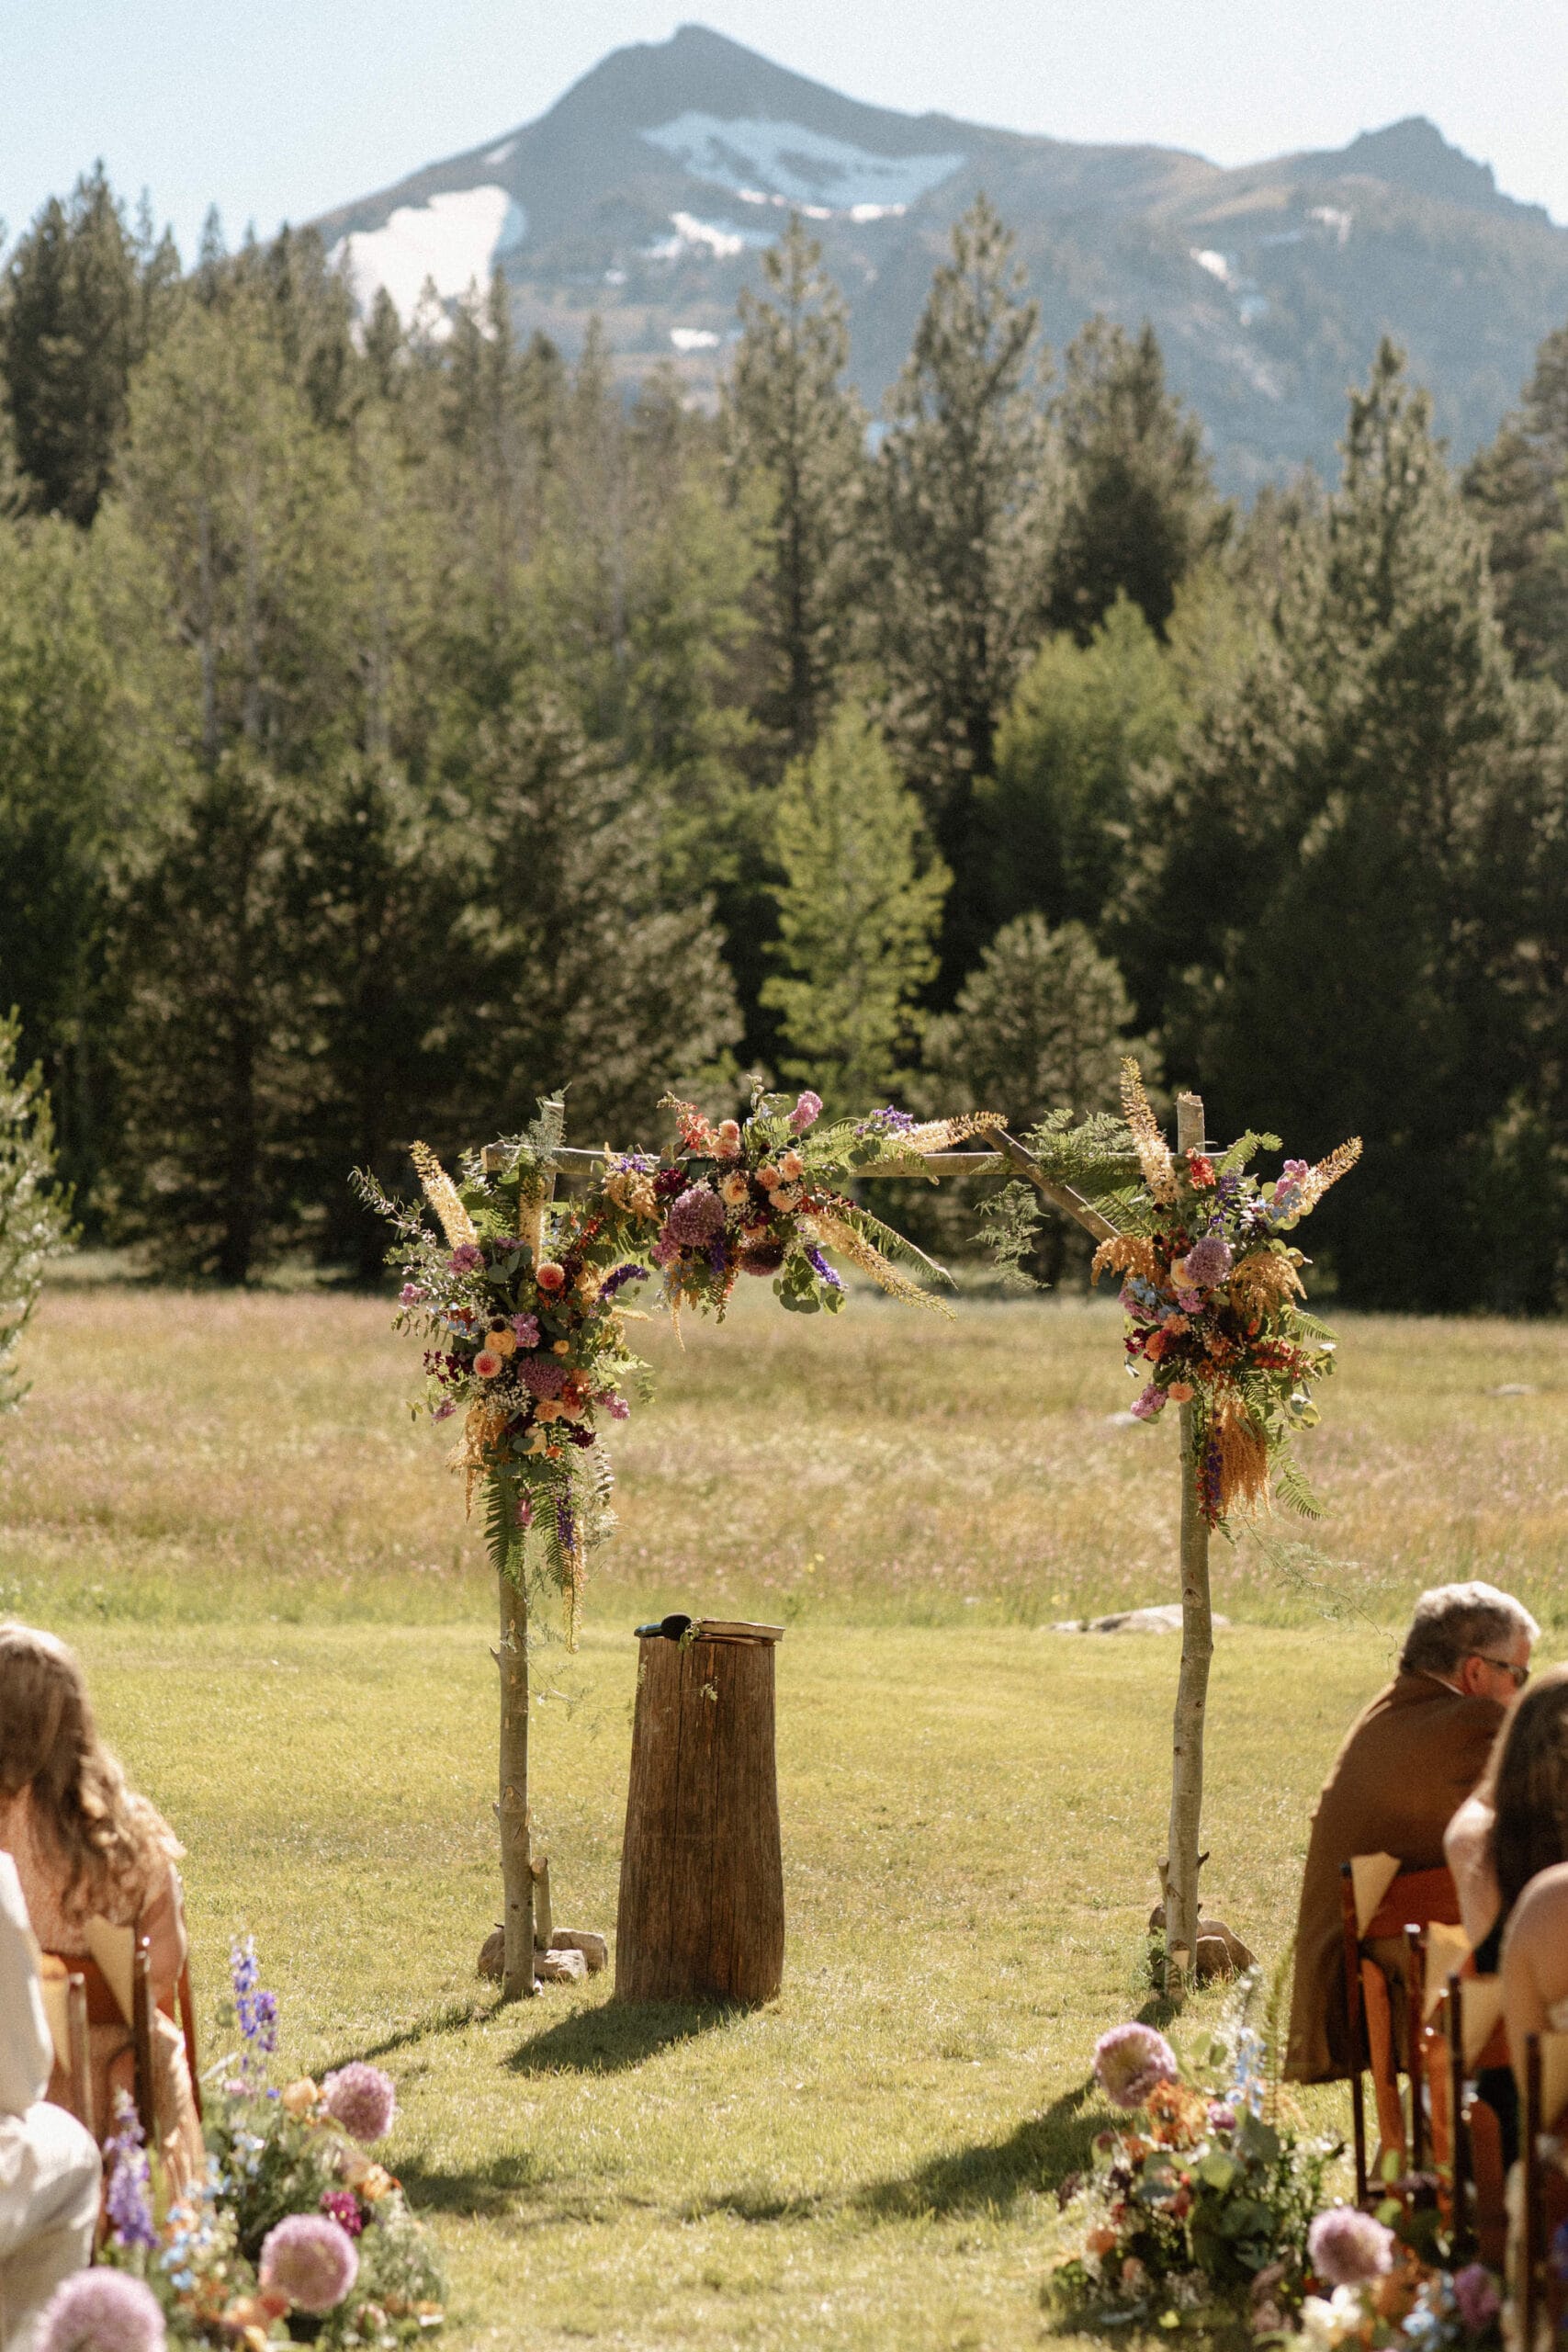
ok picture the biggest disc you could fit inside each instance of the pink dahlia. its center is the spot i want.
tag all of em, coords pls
(541, 1375)
(342, 2206)
(694, 1219)
(311, 2259)
(102, 2310)
(1347, 2249)
(1129, 2061)
(363, 2099)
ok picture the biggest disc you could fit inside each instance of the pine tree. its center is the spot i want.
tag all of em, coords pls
(33, 1219)
(235, 513)
(1041, 1024)
(1082, 720)
(73, 325)
(858, 906)
(578, 964)
(1515, 489)
(959, 481)
(795, 437)
(62, 804)
(1326, 905)
(1139, 508)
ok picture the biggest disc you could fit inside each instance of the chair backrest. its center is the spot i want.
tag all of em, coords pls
(1546, 2098)
(1382, 1901)
(65, 2006)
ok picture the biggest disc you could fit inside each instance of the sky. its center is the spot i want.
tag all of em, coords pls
(279, 111)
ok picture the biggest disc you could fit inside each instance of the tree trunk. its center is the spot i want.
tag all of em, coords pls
(1192, 1689)
(701, 1913)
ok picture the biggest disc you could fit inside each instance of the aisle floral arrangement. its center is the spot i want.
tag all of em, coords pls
(297, 2232)
(1197, 2212)
(523, 1300)
(1205, 2211)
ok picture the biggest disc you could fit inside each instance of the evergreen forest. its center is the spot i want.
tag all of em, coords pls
(397, 722)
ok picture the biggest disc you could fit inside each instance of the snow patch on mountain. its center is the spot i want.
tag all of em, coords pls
(803, 166)
(720, 238)
(454, 239)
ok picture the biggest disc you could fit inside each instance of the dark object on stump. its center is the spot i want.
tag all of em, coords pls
(702, 1874)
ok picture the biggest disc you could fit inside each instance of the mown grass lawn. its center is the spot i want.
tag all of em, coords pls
(218, 1501)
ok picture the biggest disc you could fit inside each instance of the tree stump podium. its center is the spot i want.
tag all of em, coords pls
(701, 1913)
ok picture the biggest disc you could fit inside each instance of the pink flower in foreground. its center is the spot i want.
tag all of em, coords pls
(1475, 2292)
(526, 1328)
(1347, 2248)
(102, 2310)
(410, 1294)
(342, 2206)
(805, 1113)
(1129, 2061)
(309, 2258)
(1148, 1402)
(363, 2099)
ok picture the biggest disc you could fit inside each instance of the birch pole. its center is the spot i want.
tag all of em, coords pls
(517, 1978)
(1192, 1689)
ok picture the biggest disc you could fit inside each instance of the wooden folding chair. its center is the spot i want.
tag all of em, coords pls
(1545, 2183)
(1382, 1903)
(65, 2006)
(1471, 2041)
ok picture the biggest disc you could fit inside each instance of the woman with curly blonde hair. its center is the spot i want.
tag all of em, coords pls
(89, 1853)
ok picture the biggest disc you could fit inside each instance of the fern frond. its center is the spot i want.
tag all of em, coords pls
(1012, 1219)
(1294, 1490)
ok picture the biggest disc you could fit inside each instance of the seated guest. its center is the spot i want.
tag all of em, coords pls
(86, 1848)
(1528, 1859)
(49, 2166)
(1408, 1762)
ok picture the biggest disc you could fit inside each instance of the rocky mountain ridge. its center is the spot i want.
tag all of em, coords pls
(646, 194)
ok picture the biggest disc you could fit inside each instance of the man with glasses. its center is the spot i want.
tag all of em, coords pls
(1407, 1764)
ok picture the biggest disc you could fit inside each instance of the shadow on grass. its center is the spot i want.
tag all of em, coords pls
(482, 2191)
(450, 2017)
(613, 2036)
(1039, 2155)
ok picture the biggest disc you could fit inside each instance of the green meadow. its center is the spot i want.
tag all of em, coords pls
(223, 1502)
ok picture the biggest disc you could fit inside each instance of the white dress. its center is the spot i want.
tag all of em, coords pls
(49, 2165)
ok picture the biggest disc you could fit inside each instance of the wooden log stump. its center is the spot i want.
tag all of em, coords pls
(701, 1912)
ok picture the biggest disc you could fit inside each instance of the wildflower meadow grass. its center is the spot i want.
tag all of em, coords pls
(222, 1501)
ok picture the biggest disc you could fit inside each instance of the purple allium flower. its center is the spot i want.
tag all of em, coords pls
(805, 1113)
(363, 2099)
(309, 2258)
(526, 1329)
(1208, 1261)
(1129, 2061)
(541, 1375)
(466, 1259)
(694, 1219)
(1347, 2248)
(1475, 2293)
(1148, 1402)
(102, 2310)
(129, 2203)
(822, 1270)
(619, 1280)
(256, 2009)
(342, 2206)
(410, 1294)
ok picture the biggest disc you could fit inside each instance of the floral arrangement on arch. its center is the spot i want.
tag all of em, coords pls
(523, 1300)
(297, 2230)
(1212, 1294)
